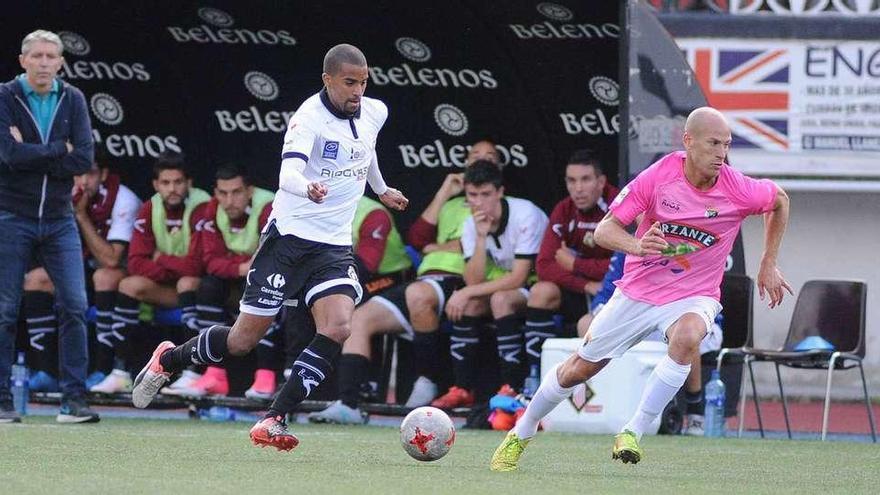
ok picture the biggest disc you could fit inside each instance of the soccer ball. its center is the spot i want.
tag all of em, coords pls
(427, 433)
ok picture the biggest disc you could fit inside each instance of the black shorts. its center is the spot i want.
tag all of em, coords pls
(288, 268)
(384, 283)
(573, 306)
(395, 298)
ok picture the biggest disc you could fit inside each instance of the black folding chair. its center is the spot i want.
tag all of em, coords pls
(737, 291)
(835, 311)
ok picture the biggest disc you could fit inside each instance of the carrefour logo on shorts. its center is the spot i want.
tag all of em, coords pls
(416, 50)
(276, 280)
(557, 26)
(219, 30)
(73, 70)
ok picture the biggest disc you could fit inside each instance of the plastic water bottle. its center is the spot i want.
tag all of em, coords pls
(714, 413)
(218, 413)
(20, 389)
(533, 381)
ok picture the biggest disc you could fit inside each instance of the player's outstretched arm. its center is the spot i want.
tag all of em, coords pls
(611, 234)
(390, 197)
(394, 199)
(770, 279)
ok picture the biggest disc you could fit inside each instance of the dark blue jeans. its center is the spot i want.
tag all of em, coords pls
(57, 243)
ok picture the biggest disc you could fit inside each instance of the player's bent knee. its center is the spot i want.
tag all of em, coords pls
(421, 298)
(477, 306)
(38, 280)
(133, 286)
(545, 295)
(186, 284)
(505, 302)
(688, 331)
(363, 325)
(106, 279)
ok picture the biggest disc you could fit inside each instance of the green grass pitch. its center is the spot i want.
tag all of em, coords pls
(132, 456)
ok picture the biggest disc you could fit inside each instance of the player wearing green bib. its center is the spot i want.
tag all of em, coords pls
(163, 263)
(228, 238)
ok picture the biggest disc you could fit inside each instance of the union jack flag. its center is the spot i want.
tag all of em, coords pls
(751, 86)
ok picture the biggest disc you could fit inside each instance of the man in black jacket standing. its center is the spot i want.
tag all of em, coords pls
(45, 140)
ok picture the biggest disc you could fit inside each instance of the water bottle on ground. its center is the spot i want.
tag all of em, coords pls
(218, 413)
(20, 389)
(714, 412)
(533, 381)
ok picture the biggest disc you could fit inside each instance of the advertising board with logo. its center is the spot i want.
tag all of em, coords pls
(797, 98)
(219, 80)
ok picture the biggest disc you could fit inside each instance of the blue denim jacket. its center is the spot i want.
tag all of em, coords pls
(36, 176)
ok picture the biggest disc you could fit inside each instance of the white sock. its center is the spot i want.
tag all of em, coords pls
(662, 386)
(548, 396)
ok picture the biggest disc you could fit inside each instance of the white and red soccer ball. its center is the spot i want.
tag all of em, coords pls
(427, 433)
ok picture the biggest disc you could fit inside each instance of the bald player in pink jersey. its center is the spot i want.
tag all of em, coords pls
(693, 205)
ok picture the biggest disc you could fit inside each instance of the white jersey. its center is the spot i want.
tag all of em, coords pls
(123, 215)
(338, 151)
(519, 233)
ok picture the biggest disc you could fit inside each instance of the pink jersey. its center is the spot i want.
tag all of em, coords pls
(700, 227)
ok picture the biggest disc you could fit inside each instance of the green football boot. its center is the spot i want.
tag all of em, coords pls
(507, 454)
(626, 448)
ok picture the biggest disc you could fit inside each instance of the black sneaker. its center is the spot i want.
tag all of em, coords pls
(76, 411)
(8, 414)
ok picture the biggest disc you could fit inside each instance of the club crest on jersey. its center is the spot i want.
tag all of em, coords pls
(331, 149)
(357, 154)
(711, 212)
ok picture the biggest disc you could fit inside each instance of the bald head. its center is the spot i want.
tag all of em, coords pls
(343, 54)
(707, 140)
(703, 119)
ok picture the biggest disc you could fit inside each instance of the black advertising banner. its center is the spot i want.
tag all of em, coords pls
(662, 88)
(219, 80)
(662, 92)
